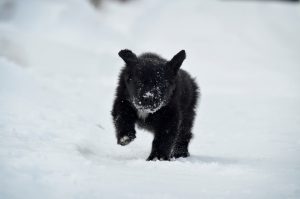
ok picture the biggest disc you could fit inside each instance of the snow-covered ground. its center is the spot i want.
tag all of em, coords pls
(59, 68)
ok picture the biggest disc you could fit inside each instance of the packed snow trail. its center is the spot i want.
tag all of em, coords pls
(58, 71)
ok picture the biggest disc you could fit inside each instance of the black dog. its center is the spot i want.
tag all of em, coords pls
(158, 96)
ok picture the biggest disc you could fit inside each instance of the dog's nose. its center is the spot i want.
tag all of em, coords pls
(147, 98)
(146, 101)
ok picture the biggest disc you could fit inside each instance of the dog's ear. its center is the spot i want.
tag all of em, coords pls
(177, 60)
(128, 56)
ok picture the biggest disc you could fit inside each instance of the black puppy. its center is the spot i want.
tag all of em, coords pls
(156, 95)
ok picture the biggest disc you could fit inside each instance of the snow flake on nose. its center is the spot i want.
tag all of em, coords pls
(148, 95)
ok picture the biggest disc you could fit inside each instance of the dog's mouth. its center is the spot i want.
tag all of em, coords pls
(147, 108)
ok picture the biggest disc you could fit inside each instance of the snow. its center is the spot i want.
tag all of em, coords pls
(59, 68)
(148, 94)
(124, 140)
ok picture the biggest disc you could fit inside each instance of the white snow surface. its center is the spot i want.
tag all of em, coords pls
(59, 69)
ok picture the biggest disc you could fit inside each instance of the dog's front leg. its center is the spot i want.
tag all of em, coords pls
(164, 138)
(124, 118)
(162, 146)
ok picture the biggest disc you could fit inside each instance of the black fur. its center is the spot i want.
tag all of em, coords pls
(156, 95)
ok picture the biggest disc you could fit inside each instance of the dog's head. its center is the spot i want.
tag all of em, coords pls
(150, 79)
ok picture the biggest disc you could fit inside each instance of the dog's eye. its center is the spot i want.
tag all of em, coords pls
(128, 79)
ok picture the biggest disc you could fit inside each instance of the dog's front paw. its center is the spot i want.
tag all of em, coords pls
(125, 140)
(154, 157)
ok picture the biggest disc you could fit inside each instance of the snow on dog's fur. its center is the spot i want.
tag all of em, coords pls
(158, 96)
